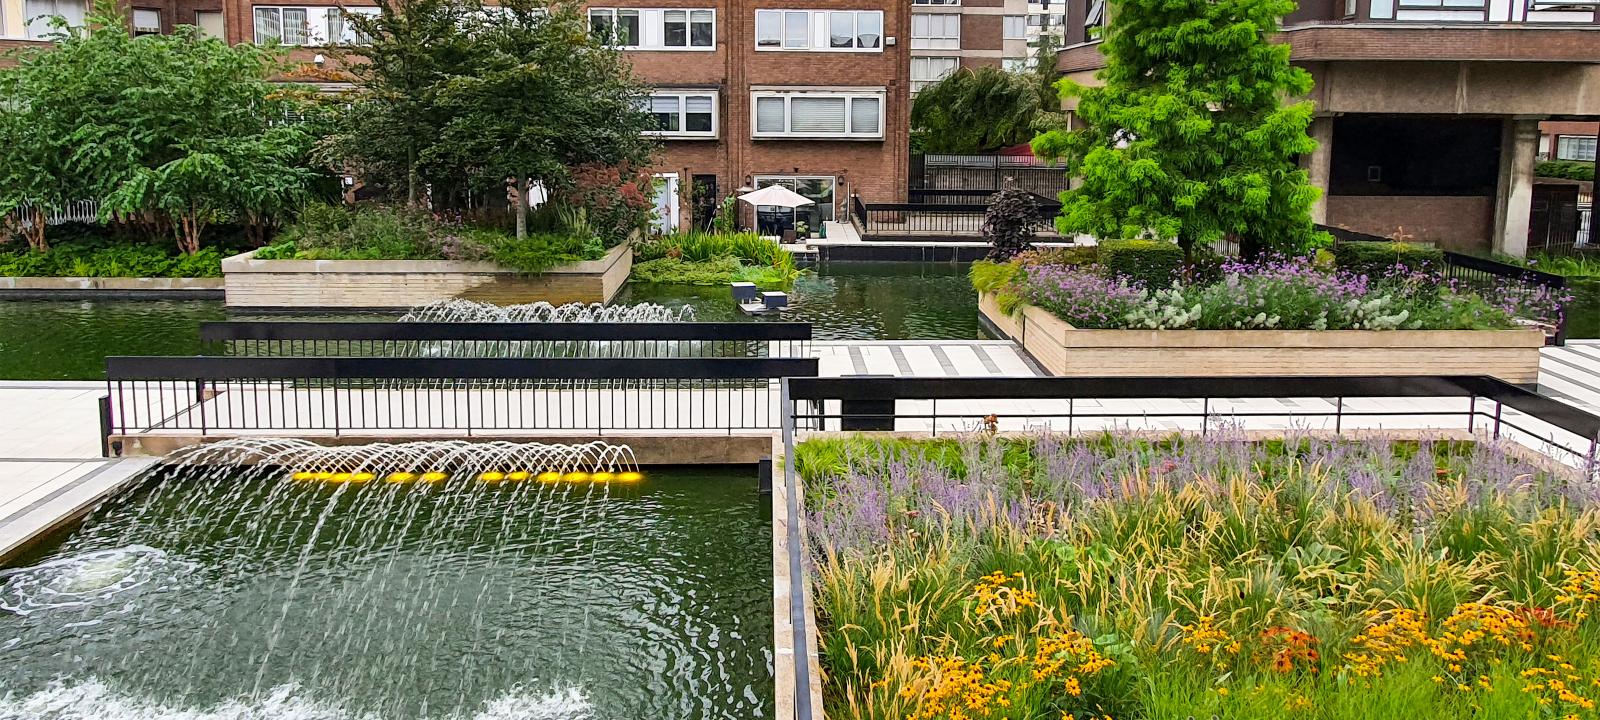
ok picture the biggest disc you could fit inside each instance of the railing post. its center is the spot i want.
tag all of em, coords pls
(1472, 413)
(104, 404)
(1338, 415)
(1498, 406)
(200, 400)
(1205, 416)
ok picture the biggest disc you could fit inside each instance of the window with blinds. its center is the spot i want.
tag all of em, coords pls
(655, 29)
(935, 32)
(304, 25)
(820, 30)
(1575, 147)
(683, 114)
(38, 13)
(819, 115)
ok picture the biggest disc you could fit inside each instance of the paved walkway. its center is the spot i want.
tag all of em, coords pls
(50, 464)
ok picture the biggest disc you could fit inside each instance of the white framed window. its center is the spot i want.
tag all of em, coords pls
(820, 30)
(926, 71)
(818, 114)
(1575, 147)
(1016, 27)
(37, 14)
(935, 32)
(146, 21)
(683, 113)
(656, 29)
(316, 26)
(210, 23)
(1013, 64)
(935, 2)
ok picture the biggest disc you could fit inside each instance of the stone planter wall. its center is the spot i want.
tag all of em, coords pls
(67, 287)
(405, 283)
(1511, 355)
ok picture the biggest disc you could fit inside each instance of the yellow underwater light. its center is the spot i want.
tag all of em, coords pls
(630, 476)
(519, 475)
(433, 477)
(549, 476)
(603, 477)
(401, 477)
(576, 476)
(491, 477)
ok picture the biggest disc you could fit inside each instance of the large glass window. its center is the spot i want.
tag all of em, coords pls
(652, 29)
(928, 70)
(1575, 147)
(769, 33)
(301, 25)
(682, 114)
(819, 30)
(773, 220)
(1016, 27)
(37, 13)
(676, 28)
(819, 115)
(935, 32)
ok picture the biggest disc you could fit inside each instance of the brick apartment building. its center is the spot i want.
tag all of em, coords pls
(1429, 112)
(812, 94)
(951, 34)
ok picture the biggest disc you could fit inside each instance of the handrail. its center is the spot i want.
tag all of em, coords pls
(203, 368)
(492, 331)
(1554, 412)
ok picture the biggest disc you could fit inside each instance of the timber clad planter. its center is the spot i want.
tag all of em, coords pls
(405, 283)
(1511, 355)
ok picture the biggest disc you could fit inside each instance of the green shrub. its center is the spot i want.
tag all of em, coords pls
(989, 276)
(704, 259)
(1376, 259)
(110, 256)
(1152, 263)
(1567, 169)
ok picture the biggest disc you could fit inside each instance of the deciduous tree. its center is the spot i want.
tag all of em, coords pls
(1194, 134)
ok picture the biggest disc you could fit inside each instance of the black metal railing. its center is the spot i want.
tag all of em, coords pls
(987, 173)
(1481, 274)
(508, 340)
(933, 405)
(290, 396)
(935, 221)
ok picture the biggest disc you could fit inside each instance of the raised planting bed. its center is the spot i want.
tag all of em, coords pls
(60, 287)
(1063, 350)
(406, 283)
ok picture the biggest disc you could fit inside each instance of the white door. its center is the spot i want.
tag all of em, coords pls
(666, 220)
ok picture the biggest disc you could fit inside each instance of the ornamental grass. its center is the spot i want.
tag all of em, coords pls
(1131, 577)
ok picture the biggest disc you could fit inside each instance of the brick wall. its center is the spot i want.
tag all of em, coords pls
(1463, 224)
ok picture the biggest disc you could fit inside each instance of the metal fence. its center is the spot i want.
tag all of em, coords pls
(987, 173)
(508, 340)
(293, 396)
(935, 220)
(1480, 274)
(80, 211)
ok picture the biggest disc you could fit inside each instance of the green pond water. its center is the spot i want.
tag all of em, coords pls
(226, 593)
(69, 340)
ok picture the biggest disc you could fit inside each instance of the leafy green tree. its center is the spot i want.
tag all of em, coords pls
(410, 49)
(975, 111)
(1193, 136)
(542, 97)
(170, 132)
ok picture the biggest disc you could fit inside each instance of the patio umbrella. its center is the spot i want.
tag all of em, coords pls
(777, 195)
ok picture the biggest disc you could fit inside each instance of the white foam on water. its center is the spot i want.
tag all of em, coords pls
(93, 700)
(86, 579)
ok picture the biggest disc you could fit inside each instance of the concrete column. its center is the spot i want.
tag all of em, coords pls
(1514, 207)
(1318, 165)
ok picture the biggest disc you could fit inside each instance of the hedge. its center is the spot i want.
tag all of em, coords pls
(1374, 258)
(1152, 263)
